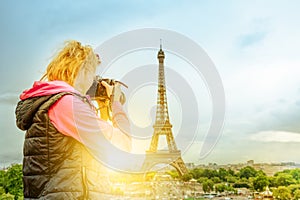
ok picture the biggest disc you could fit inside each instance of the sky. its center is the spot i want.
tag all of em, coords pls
(254, 46)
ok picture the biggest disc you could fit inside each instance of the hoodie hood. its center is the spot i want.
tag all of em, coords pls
(33, 98)
(41, 88)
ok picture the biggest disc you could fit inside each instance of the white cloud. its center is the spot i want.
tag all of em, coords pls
(276, 136)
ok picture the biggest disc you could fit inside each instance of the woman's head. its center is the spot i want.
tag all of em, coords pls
(72, 59)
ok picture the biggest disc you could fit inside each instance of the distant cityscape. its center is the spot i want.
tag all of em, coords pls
(269, 168)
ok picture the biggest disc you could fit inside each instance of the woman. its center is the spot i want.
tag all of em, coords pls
(65, 139)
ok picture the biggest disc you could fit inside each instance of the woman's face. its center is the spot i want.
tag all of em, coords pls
(84, 80)
(90, 75)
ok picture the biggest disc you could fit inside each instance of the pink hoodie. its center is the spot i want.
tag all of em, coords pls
(72, 117)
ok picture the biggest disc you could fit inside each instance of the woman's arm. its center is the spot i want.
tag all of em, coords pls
(72, 117)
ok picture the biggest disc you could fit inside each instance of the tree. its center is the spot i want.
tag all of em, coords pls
(231, 179)
(247, 172)
(209, 173)
(208, 186)
(260, 182)
(220, 187)
(216, 180)
(284, 179)
(296, 174)
(2, 191)
(260, 173)
(231, 172)
(186, 177)
(241, 185)
(202, 179)
(14, 180)
(282, 193)
(222, 174)
(7, 196)
(197, 173)
(294, 187)
(272, 181)
(2, 178)
(297, 194)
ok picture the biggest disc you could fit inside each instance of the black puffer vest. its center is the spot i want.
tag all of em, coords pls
(56, 166)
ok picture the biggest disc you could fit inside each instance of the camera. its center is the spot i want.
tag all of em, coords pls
(98, 93)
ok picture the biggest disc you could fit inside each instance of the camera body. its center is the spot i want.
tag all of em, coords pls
(98, 93)
(97, 90)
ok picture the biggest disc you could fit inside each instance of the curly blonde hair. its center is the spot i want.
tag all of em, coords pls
(67, 63)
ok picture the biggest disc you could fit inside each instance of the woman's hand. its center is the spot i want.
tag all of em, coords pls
(114, 92)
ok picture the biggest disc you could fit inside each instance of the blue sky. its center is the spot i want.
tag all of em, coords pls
(254, 45)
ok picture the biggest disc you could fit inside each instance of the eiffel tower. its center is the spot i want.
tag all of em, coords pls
(163, 127)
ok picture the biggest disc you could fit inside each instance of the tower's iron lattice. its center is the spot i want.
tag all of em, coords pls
(163, 127)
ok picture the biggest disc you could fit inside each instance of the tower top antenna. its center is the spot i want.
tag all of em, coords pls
(160, 44)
